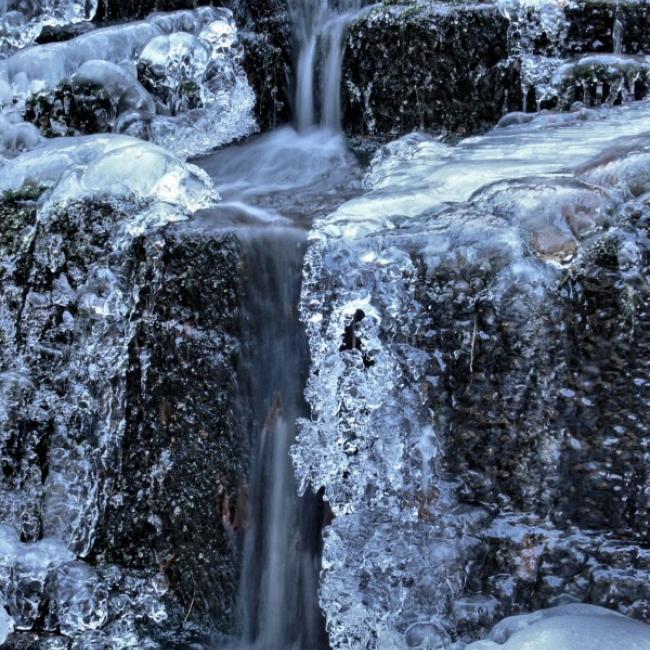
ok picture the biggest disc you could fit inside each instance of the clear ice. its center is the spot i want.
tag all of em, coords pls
(516, 206)
(22, 22)
(147, 187)
(175, 79)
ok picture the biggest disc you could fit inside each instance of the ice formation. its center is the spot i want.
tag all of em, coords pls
(109, 167)
(109, 190)
(22, 22)
(480, 222)
(552, 76)
(568, 627)
(175, 79)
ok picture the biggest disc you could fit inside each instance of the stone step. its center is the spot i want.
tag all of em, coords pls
(457, 68)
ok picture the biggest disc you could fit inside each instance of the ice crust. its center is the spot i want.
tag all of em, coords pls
(113, 168)
(516, 207)
(175, 79)
(147, 187)
(569, 627)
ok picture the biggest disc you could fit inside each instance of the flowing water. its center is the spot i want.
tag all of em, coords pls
(276, 186)
(273, 187)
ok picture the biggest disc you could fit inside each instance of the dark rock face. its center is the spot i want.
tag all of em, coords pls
(592, 26)
(267, 63)
(72, 111)
(121, 435)
(117, 10)
(57, 33)
(546, 421)
(266, 37)
(442, 68)
(181, 412)
(550, 417)
(455, 68)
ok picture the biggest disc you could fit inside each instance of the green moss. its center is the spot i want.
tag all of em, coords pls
(28, 192)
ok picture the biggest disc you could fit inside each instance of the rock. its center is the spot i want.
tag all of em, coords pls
(121, 436)
(119, 10)
(268, 57)
(56, 33)
(483, 423)
(436, 67)
(458, 67)
(179, 497)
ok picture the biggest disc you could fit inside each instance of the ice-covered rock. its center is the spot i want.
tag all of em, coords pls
(175, 79)
(110, 167)
(448, 309)
(124, 90)
(6, 624)
(22, 21)
(570, 627)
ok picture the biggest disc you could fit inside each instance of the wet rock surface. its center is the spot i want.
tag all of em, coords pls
(427, 67)
(117, 378)
(119, 10)
(179, 498)
(456, 68)
(545, 415)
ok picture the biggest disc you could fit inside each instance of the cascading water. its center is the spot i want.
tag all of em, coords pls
(272, 189)
(466, 308)
(281, 555)
(320, 23)
(284, 177)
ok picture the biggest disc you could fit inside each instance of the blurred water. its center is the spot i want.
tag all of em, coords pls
(272, 188)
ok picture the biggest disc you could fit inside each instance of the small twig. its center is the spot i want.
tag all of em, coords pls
(189, 611)
(471, 352)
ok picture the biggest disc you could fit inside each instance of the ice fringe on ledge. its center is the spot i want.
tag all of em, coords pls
(113, 168)
(395, 554)
(567, 627)
(21, 22)
(539, 39)
(175, 79)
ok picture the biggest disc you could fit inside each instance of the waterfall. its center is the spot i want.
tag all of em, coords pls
(319, 23)
(278, 604)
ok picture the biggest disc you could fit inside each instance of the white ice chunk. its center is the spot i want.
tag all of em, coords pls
(140, 171)
(569, 627)
(45, 66)
(6, 625)
(418, 173)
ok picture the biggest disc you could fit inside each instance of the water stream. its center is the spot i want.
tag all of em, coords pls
(273, 187)
(368, 308)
